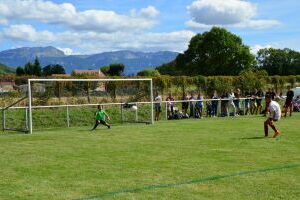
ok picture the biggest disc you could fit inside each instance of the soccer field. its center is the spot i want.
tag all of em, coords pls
(189, 159)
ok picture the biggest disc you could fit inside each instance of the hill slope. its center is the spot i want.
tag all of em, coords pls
(6, 70)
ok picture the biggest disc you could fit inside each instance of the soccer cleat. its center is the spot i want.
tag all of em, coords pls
(278, 133)
(108, 127)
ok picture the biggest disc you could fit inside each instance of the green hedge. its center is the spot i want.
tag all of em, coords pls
(248, 81)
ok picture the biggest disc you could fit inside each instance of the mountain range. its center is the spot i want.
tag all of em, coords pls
(133, 61)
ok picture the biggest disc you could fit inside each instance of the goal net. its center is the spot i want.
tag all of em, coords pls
(14, 116)
(55, 103)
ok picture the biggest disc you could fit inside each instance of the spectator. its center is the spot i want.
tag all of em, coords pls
(157, 104)
(192, 105)
(296, 104)
(199, 106)
(236, 101)
(259, 95)
(289, 102)
(230, 103)
(185, 104)
(209, 110)
(247, 101)
(214, 104)
(224, 102)
(273, 94)
(253, 104)
(170, 106)
(279, 97)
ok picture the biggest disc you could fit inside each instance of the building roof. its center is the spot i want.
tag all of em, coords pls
(7, 83)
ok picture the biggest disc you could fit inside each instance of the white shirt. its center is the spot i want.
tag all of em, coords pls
(275, 111)
(231, 97)
(158, 100)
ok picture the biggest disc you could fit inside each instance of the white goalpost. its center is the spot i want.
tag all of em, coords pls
(123, 97)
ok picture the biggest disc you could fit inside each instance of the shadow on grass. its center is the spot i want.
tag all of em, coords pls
(195, 181)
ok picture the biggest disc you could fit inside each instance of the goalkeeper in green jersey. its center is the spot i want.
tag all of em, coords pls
(101, 117)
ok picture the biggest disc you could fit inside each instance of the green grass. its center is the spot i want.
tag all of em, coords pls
(188, 159)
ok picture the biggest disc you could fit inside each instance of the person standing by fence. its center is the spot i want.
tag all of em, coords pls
(214, 103)
(230, 103)
(170, 106)
(199, 106)
(185, 104)
(259, 95)
(236, 101)
(289, 101)
(157, 104)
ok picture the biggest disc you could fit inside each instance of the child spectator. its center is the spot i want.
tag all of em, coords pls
(170, 106)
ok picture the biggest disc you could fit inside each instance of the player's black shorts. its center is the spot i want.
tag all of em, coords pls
(288, 103)
(185, 105)
(157, 108)
(100, 122)
(258, 102)
(271, 119)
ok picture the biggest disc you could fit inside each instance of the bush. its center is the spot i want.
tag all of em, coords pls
(149, 73)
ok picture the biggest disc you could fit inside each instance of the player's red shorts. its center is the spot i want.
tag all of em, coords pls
(288, 104)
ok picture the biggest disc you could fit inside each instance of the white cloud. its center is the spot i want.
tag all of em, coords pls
(148, 12)
(67, 51)
(66, 15)
(257, 47)
(25, 32)
(94, 42)
(229, 13)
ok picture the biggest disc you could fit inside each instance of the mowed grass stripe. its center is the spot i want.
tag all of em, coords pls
(196, 181)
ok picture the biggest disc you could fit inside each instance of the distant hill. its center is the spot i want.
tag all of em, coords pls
(6, 70)
(133, 61)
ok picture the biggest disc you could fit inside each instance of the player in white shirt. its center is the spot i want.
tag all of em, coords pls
(274, 115)
(157, 105)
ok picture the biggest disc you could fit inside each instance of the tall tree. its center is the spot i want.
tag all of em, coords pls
(37, 69)
(28, 69)
(116, 69)
(217, 52)
(53, 69)
(20, 71)
(279, 61)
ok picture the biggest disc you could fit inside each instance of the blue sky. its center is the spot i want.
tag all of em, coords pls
(93, 26)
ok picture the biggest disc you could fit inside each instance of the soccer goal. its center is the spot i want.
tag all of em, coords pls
(56, 103)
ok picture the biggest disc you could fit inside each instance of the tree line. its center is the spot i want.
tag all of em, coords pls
(35, 69)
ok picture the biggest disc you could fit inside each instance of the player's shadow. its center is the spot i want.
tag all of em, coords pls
(253, 138)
